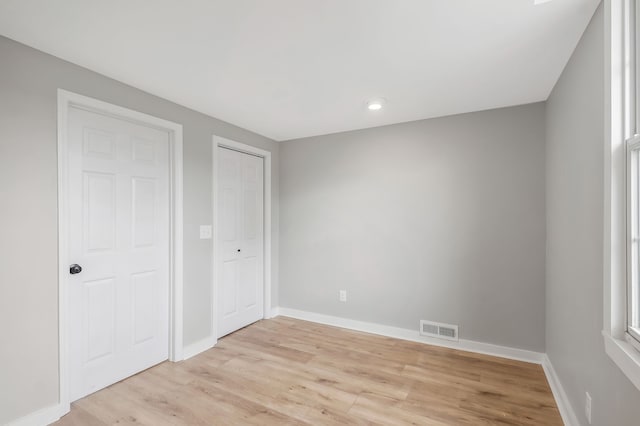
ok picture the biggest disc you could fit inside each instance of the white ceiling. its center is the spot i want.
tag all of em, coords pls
(295, 68)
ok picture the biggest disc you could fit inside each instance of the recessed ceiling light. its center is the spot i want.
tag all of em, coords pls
(375, 104)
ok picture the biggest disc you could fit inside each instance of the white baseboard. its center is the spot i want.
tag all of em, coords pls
(562, 401)
(42, 417)
(198, 347)
(414, 336)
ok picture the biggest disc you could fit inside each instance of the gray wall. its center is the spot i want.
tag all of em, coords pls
(28, 229)
(439, 219)
(574, 297)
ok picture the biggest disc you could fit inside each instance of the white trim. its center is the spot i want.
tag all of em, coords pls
(63, 250)
(198, 347)
(414, 336)
(41, 417)
(67, 100)
(614, 175)
(176, 319)
(562, 401)
(266, 155)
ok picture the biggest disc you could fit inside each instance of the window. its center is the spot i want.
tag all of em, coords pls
(621, 325)
(631, 127)
(633, 238)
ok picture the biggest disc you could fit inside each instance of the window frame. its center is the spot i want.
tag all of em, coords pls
(620, 127)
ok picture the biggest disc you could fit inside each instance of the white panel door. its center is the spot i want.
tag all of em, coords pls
(119, 235)
(240, 240)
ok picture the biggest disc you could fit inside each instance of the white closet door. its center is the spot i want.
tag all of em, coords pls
(119, 235)
(240, 244)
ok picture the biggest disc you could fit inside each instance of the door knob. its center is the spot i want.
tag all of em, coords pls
(75, 269)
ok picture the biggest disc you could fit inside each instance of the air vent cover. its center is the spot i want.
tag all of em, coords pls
(439, 330)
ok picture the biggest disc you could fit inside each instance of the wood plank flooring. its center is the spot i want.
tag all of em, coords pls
(288, 372)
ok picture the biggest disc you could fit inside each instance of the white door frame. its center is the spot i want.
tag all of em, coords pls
(67, 100)
(266, 155)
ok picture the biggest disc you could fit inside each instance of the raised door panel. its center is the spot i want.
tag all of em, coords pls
(249, 288)
(99, 212)
(229, 290)
(229, 214)
(100, 316)
(143, 194)
(145, 304)
(251, 213)
(144, 151)
(99, 143)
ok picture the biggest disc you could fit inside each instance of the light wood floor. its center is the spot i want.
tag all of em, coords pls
(284, 371)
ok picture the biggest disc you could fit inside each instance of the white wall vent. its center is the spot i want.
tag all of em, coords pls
(439, 330)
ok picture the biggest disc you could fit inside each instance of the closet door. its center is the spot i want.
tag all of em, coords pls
(240, 240)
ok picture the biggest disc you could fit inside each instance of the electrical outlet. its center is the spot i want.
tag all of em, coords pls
(343, 295)
(587, 406)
